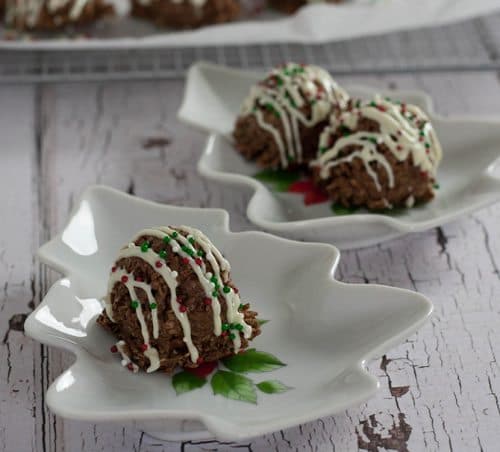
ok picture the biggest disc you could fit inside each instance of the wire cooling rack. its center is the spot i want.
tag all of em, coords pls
(470, 45)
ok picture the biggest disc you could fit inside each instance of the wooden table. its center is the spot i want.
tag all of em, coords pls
(438, 391)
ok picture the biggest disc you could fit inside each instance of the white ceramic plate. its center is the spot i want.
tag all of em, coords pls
(469, 175)
(312, 24)
(324, 339)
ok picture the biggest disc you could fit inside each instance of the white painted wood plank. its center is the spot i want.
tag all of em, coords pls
(20, 385)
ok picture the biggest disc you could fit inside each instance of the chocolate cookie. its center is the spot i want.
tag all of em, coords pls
(282, 118)
(186, 13)
(44, 15)
(171, 302)
(380, 155)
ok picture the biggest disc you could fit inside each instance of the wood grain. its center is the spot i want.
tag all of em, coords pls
(439, 390)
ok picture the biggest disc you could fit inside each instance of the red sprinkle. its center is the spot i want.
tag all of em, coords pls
(113, 269)
(203, 370)
(182, 308)
(139, 279)
(224, 333)
(207, 301)
(185, 260)
(301, 186)
(198, 261)
(399, 147)
(130, 366)
(113, 349)
(421, 139)
(124, 278)
(144, 347)
(236, 290)
(158, 264)
(199, 360)
(400, 132)
(315, 197)
(382, 108)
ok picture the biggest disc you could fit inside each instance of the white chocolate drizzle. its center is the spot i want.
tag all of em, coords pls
(29, 10)
(404, 129)
(120, 346)
(197, 4)
(284, 92)
(183, 245)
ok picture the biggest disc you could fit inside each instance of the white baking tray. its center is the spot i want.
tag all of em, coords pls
(314, 23)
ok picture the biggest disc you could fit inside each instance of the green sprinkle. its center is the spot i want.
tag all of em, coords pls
(239, 327)
(152, 305)
(174, 234)
(323, 149)
(226, 289)
(191, 240)
(225, 327)
(436, 186)
(215, 294)
(187, 250)
(166, 239)
(144, 247)
(134, 304)
(201, 253)
(279, 80)
(345, 130)
(213, 279)
(427, 145)
(232, 336)
(241, 306)
(358, 103)
(372, 140)
(422, 133)
(373, 104)
(388, 99)
(163, 254)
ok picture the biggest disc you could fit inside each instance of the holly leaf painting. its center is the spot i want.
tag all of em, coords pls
(279, 179)
(273, 387)
(338, 209)
(186, 381)
(203, 370)
(233, 386)
(253, 361)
